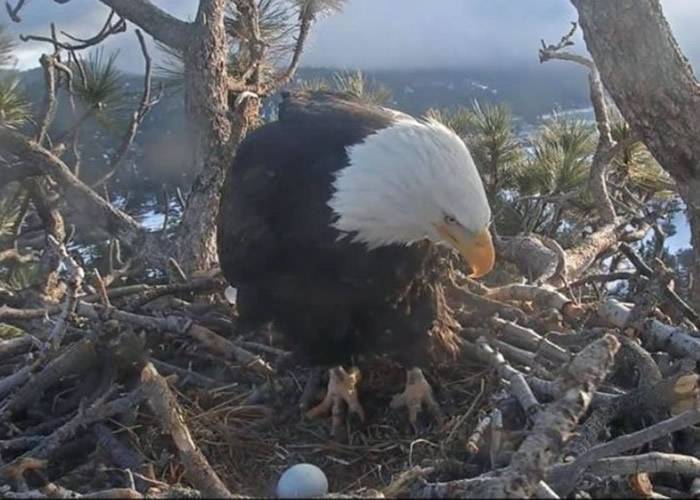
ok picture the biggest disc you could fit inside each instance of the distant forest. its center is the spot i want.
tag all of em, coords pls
(530, 91)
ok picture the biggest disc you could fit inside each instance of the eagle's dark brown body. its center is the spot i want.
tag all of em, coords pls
(331, 298)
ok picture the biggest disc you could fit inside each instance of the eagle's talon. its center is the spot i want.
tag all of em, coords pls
(342, 388)
(416, 394)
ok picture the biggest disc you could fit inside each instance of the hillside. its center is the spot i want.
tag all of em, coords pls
(160, 152)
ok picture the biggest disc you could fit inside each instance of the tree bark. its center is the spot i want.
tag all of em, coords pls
(214, 133)
(653, 85)
(692, 199)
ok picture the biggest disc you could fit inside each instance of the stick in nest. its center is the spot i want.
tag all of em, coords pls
(165, 406)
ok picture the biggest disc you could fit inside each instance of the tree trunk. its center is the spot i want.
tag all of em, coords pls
(49, 285)
(653, 85)
(693, 201)
(213, 135)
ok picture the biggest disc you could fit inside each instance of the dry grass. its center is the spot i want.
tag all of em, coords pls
(250, 445)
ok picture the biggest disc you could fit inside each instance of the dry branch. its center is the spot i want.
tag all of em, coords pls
(554, 424)
(647, 271)
(165, 406)
(156, 22)
(99, 410)
(104, 214)
(527, 338)
(668, 394)
(184, 326)
(543, 297)
(481, 306)
(649, 462)
(518, 385)
(107, 29)
(676, 340)
(79, 358)
(494, 418)
(564, 476)
(137, 117)
(12, 347)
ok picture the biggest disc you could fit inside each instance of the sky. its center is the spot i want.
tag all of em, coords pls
(372, 34)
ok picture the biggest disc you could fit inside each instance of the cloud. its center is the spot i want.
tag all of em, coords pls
(383, 33)
(416, 33)
(83, 18)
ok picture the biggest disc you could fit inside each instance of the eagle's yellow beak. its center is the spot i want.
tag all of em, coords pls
(477, 250)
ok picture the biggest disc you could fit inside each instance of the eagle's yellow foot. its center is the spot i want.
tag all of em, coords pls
(342, 390)
(417, 393)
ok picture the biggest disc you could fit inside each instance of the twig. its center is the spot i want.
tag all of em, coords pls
(645, 270)
(136, 118)
(107, 29)
(484, 306)
(50, 101)
(12, 347)
(565, 476)
(219, 344)
(176, 271)
(518, 384)
(543, 296)
(13, 12)
(74, 280)
(101, 409)
(675, 392)
(165, 406)
(18, 378)
(527, 338)
(184, 376)
(79, 358)
(601, 278)
(101, 289)
(144, 293)
(472, 444)
(183, 326)
(549, 52)
(554, 424)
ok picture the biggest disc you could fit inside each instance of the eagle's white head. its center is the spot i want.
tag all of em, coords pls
(411, 181)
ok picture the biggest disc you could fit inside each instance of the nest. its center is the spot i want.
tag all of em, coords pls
(143, 390)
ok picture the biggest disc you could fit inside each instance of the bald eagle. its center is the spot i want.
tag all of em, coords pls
(334, 223)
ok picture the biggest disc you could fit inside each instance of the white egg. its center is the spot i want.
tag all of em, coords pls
(302, 481)
(231, 294)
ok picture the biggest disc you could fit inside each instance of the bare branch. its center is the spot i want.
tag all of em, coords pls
(13, 12)
(136, 119)
(602, 156)
(649, 462)
(645, 270)
(113, 220)
(565, 476)
(107, 29)
(519, 386)
(165, 28)
(676, 340)
(549, 52)
(555, 423)
(50, 101)
(306, 19)
(165, 406)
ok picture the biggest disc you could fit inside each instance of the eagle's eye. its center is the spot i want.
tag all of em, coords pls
(449, 219)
